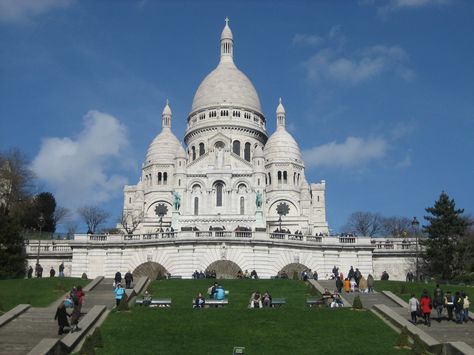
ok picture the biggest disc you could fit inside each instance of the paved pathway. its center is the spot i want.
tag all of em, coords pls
(23, 333)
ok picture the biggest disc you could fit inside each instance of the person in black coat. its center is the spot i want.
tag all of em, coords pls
(128, 279)
(61, 315)
(118, 277)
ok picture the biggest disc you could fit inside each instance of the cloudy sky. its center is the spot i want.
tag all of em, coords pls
(378, 93)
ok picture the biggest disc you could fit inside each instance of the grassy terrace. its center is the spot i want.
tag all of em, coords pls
(292, 329)
(37, 292)
(405, 289)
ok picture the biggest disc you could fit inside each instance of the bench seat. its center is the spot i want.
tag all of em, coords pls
(159, 302)
(214, 303)
(278, 302)
(311, 302)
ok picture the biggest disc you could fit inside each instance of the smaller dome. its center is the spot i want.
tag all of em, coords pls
(164, 148)
(281, 146)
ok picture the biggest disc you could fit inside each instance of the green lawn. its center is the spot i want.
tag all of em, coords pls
(405, 289)
(37, 292)
(292, 329)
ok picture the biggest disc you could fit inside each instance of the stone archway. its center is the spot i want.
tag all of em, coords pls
(225, 269)
(290, 269)
(150, 269)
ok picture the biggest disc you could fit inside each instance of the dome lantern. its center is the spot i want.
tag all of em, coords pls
(227, 43)
(280, 113)
(166, 116)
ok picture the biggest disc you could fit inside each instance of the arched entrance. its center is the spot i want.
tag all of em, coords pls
(225, 269)
(150, 269)
(293, 268)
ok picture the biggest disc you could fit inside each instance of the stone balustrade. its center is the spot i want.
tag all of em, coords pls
(48, 247)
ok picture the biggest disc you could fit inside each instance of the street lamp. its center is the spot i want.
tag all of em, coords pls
(415, 225)
(41, 223)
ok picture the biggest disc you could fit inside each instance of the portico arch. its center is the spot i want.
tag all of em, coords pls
(290, 269)
(225, 269)
(150, 269)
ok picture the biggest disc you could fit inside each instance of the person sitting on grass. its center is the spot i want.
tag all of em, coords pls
(119, 292)
(327, 297)
(336, 300)
(199, 302)
(267, 299)
(255, 300)
(147, 298)
(61, 315)
(211, 291)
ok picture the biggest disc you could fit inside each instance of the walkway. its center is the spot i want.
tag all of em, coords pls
(24, 332)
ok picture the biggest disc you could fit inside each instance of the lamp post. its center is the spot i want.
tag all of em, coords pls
(41, 223)
(415, 225)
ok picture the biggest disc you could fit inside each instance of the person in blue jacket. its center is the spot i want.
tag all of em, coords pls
(220, 293)
(119, 292)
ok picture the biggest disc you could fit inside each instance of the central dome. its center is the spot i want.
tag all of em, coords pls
(226, 85)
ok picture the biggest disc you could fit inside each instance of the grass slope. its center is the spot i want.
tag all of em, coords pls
(37, 292)
(404, 289)
(292, 329)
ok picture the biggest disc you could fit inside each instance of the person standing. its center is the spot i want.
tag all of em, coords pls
(119, 292)
(52, 272)
(61, 315)
(339, 284)
(466, 304)
(117, 278)
(449, 303)
(458, 307)
(426, 306)
(370, 283)
(30, 272)
(438, 302)
(413, 306)
(128, 279)
(61, 270)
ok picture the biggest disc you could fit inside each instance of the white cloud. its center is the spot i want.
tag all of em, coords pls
(396, 5)
(354, 152)
(79, 169)
(12, 11)
(358, 67)
(406, 162)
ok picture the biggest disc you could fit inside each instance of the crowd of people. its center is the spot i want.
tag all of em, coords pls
(354, 282)
(456, 304)
(39, 271)
(258, 300)
(210, 274)
(74, 300)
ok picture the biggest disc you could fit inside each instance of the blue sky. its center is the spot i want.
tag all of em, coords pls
(379, 94)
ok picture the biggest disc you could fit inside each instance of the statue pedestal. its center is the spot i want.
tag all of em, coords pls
(175, 220)
(259, 222)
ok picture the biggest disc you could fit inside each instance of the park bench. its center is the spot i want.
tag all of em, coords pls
(159, 302)
(311, 302)
(278, 302)
(214, 303)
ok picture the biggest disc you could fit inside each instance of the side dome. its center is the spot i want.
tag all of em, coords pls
(281, 146)
(164, 148)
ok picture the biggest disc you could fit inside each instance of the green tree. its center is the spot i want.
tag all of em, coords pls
(12, 248)
(448, 248)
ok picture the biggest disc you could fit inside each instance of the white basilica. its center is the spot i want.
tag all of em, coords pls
(231, 175)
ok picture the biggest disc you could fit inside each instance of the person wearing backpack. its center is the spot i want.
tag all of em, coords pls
(458, 307)
(438, 302)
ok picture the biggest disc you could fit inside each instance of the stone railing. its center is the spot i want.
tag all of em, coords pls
(395, 244)
(47, 247)
(223, 234)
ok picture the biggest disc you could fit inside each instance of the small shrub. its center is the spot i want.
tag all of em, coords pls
(357, 304)
(123, 305)
(402, 340)
(84, 276)
(418, 347)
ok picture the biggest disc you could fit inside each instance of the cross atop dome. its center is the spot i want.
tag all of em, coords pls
(227, 43)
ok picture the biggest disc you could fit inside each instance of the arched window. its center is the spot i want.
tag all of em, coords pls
(269, 178)
(294, 178)
(193, 150)
(201, 149)
(179, 182)
(165, 178)
(196, 206)
(247, 151)
(279, 177)
(266, 180)
(258, 182)
(219, 188)
(242, 205)
(285, 177)
(236, 147)
(159, 178)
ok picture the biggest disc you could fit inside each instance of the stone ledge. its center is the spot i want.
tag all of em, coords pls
(457, 348)
(47, 346)
(395, 298)
(91, 285)
(72, 339)
(140, 285)
(399, 321)
(13, 313)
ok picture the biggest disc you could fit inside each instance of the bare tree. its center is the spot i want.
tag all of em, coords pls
(130, 221)
(397, 226)
(364, 224)
(16, 180)
(61, 215)
(93, 217)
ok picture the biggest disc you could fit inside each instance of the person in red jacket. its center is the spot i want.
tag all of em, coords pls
(426, 306)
